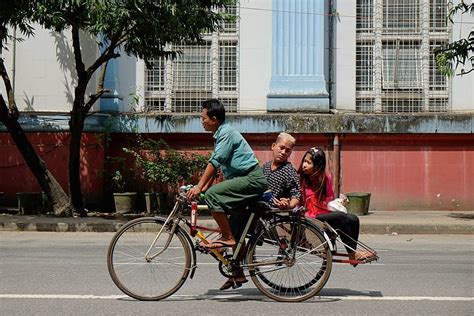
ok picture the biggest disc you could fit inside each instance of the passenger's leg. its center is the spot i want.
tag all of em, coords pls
(347, 223)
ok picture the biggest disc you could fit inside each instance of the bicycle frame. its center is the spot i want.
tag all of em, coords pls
(335, 239)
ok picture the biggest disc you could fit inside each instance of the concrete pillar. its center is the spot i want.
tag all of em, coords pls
(298, 82)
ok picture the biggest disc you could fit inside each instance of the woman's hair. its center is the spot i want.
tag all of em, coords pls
(317, 180)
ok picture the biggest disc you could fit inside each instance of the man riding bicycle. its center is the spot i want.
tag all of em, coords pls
(244, 182)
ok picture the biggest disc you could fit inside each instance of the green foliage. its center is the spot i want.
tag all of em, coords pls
(140, 27)
(121, 178)
(119, 181)
(460, 52)
(163, 166)
(14, 14)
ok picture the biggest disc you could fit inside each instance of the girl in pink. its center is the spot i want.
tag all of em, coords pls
(317, 192)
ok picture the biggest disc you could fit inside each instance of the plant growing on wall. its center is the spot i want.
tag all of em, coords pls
(165, 168)
(141, 28)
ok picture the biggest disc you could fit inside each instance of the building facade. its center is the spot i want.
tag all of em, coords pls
(357, 77)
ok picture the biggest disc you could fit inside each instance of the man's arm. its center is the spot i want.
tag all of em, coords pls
(204, 183)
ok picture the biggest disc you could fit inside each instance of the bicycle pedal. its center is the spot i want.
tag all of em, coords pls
(202, 249)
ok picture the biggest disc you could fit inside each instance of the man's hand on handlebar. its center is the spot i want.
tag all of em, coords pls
(193, 192)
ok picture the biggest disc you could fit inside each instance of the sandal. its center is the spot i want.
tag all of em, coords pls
(232, 283)
(220, 244)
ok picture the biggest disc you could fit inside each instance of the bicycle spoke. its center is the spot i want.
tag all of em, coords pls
(159, 276)
(294, 266)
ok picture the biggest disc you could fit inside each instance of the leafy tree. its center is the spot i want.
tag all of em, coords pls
(142, 28)
(449, 57)
(16, 14)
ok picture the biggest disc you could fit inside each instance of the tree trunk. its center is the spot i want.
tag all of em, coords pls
(45, 178)
(76, 125)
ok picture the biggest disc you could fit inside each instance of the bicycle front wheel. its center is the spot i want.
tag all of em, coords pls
(144, 269)
(289, 262)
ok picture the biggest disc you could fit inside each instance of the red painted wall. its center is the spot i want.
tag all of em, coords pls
(406, 172)
(403, 172)
(53, 148)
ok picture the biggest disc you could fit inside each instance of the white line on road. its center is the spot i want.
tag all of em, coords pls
(349, 298)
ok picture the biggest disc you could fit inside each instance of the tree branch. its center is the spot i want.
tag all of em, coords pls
(107, 54)
(100, 88)
(12, 108)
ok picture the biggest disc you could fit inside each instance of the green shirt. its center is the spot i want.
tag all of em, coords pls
(232, 152)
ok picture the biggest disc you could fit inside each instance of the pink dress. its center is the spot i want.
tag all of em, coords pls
(313, 205)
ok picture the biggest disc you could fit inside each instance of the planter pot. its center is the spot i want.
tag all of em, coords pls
(125, 202)
(31, 203)
(151, 202)
(358, 203)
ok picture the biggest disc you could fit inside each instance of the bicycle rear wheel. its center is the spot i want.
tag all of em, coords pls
(148, 278)
(291, 263)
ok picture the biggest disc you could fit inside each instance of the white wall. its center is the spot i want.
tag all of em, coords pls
(463, 86)
(345, 56)
(43, 70)
(255, 54)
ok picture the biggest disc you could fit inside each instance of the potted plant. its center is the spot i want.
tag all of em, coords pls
(124, 201)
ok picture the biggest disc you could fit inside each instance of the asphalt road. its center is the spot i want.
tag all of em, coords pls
(66, 274)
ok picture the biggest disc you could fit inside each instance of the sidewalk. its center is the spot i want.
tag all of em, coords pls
(380, 222)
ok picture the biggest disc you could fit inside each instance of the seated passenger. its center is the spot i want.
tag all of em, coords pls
(281, 175)
(317, 192)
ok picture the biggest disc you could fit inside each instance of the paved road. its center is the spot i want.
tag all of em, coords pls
(66, 273)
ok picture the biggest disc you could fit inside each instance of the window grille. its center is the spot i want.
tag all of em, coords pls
(438, 13)
(227, 66)
(230, 27)
(401, 65)
(199, 72)
(365, 16)
(364, 66)
(192, 69)
(438, 104)
(154, 76)
(395, 66)
(364, 105)
(401, 16)
(438, 81)
(394, 105)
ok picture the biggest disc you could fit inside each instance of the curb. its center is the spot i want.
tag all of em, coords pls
(407, 229)
(114, 225)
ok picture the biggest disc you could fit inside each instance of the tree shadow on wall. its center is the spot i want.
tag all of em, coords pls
(66, 60)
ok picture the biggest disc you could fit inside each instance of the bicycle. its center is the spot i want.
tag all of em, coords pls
(288, 258)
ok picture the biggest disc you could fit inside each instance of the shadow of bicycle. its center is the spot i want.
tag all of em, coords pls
(253, 294)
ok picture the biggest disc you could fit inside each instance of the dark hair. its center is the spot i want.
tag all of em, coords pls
(316, 181)
(215, 109)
